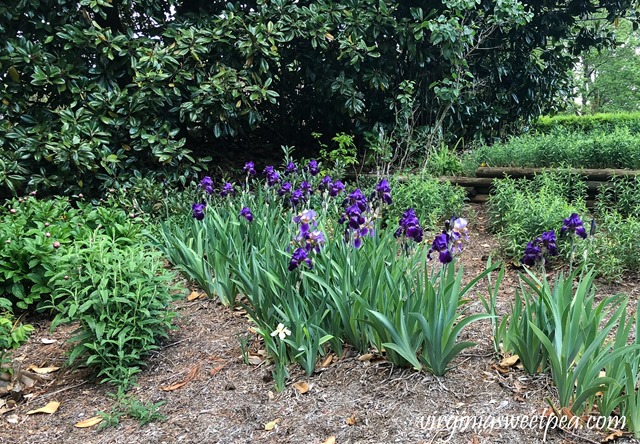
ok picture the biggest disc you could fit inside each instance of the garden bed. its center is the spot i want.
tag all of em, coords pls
(355, 398)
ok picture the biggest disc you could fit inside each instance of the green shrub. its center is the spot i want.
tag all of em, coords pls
(620, 194)
(615, 149)
(35, 234)
(616, 246)
(12, 333)
(521, 210)
(590, 123)
(432, 200)
(120, 296)
(444, 162)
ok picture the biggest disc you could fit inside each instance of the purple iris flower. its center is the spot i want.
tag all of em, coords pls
(246, 213)
(440, 244)
(354, 216)
(290, 168)
(356, 197)
(285, 189)
(335, 188)
(573, 224)
(297, 197)
(325, 183)
(306, 219)
(535, 251)
(227, 189)
(299, 255)
(313, 167)
(532, 254)
(198, 210)
(548, 240)
(383, 192)
(459, 231)
(206, 184)
(272, 175)
(250, 168)
(306, 187)
(314, 240)
(409, 226)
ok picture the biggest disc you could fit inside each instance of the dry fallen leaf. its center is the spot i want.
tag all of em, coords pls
(216, 369)
(190, 376)
(42, 370)
(271, 425)
(327, 361)
(499, 369)
(365, 357)
(330, 440)
(89, 422)
(509, 361)
(613, 436)
(50, 408)
(195, 295)
(351, 420)
(301, 387)
(255, 360)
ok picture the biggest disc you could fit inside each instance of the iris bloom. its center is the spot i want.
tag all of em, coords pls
(281, 331)
(460, 231)
(298, 257)
(325, 183)
(535, 251)
(409, 226)
(573, 224)
(313, 167)
(206, 184)
(285, 189)
(383, 192)
(314, 240)
(306, 219)
(548, 240)
(335, 188)
(290, 168)
(198, 210)
(246, 213)
(306, 187)
(250, 168)
(227, 189)
(297, 197)
(440, 245)
(532, 254)
(356, 197)
(272, 175)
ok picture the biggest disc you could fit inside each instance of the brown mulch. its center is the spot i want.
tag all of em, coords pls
(353, 399)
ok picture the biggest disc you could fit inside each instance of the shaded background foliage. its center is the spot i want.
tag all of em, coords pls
(97, 93)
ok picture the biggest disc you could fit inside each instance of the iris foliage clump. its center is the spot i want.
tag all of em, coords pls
(559, 327)
(318, 271)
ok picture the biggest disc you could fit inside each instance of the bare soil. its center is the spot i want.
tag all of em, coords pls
(352, 399)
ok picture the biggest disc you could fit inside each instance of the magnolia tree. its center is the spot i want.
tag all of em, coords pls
(98, 92)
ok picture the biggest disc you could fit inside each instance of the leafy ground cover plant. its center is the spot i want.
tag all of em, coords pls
(433, 200)
(522, 209)
(120, 296)
(36, 233)
(12, 333)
